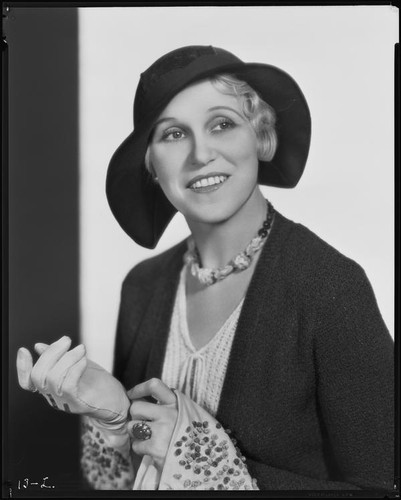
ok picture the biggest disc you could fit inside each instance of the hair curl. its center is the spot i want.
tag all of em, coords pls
(260, 115)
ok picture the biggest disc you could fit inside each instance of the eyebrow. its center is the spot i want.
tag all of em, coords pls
(162, 120)
(213, 108)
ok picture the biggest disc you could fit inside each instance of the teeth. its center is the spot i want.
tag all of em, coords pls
(209, 181)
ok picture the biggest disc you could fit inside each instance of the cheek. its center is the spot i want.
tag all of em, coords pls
(166, 162)
(243, 151)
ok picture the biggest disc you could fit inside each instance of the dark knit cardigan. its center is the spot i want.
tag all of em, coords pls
(308, 392)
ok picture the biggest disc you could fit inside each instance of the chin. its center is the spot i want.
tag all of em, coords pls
(210, 213)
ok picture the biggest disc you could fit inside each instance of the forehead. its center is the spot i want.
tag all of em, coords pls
(199, 98)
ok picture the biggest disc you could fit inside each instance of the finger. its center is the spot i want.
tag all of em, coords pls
(142, 410)
(141, 447)
(71, 380)
(24, 369)
(155, 388)
(40, 348)
(47, 360)
(58, 373)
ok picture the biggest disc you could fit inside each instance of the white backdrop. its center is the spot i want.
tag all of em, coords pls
(342, 58)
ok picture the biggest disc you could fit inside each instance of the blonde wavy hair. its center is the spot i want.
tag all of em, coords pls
(260, 115)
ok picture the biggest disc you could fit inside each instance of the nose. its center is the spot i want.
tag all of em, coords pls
(202, 152)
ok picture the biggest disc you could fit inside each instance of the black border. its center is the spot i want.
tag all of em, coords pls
(264, 494)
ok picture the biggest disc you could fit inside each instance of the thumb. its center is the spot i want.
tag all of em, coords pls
(24, 368)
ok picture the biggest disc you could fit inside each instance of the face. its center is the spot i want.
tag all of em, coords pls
(204, 153)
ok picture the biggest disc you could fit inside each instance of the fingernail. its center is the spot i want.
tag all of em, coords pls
(63, 340)
(80, 347)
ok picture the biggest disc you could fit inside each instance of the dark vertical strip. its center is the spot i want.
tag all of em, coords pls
(43, 265)
(6, 484)
(397, 232)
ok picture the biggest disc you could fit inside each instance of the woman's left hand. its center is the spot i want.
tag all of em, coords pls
(161, 418)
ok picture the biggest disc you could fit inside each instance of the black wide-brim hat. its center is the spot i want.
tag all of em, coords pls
(136, 200)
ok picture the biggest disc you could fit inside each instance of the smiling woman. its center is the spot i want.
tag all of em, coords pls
(192, 145)
(252, 355)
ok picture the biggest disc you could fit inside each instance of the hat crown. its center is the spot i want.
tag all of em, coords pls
(177, 59)
(164, 76)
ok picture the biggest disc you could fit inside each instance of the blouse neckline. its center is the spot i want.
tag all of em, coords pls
(184, 329)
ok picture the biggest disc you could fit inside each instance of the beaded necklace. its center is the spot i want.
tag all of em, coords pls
(209, 276)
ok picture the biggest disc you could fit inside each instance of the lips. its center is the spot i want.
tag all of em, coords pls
(206, 182)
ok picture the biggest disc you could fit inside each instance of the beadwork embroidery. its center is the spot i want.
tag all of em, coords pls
(203, 451)
(103, 466)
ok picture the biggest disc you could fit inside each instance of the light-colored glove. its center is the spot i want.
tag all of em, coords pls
(72, 383)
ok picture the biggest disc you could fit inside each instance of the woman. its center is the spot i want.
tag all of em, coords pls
(254, 354)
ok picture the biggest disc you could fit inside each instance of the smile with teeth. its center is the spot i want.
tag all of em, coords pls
(209, 181)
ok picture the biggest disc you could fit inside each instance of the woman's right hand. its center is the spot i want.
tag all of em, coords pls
(72, 383)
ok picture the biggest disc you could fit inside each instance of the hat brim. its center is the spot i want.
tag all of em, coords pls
(139, 204)
(136, 200)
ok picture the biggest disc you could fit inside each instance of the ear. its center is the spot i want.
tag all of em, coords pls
(149, 166)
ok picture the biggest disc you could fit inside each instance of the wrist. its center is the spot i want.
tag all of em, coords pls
(113, 420)
(114, 435)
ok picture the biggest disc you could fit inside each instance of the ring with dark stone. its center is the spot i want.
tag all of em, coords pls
(141, 431)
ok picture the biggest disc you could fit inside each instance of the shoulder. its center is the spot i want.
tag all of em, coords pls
(331, 289)
(316, 265)
(309, 251)
(147, 271)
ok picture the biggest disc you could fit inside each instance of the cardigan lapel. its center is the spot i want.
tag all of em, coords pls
(249, 327)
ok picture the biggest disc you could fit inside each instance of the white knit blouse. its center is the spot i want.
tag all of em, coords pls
(197, 373)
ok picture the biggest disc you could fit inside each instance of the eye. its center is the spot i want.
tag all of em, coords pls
(171, 135)
(223, 124)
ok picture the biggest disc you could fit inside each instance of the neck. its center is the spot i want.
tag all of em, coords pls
(218, 243)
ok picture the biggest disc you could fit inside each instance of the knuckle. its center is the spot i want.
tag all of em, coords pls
(67, 387)
(50, 388)
(134, 408)
(73, 355)
(51, 379)
(154, 383)
(69, 384)
(167, 428)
